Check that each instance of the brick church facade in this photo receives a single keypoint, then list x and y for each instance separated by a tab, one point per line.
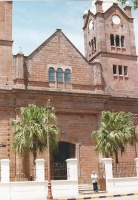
79	87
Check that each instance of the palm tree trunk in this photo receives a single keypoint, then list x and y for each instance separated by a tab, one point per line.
117	165
34	153
116	158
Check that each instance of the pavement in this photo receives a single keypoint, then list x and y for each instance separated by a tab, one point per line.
98	195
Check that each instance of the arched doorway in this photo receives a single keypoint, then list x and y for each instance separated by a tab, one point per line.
65	151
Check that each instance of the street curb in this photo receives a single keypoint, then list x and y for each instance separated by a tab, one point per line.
98	197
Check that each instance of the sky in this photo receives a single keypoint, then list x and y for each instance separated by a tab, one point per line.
35	21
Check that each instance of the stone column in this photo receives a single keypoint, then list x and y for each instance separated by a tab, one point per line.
40	170
108	167
72	172
5	170
108	173
136	160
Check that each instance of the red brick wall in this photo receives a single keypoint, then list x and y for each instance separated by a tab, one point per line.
109	55
79	109
115	84
59	52
7	113
103	27
125	28
78	115
5	41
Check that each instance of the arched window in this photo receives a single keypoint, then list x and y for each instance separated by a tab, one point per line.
92	46
114	69
125	70
120	69
51	73
117	41
94	43
67	76
112	40
122	41
59	75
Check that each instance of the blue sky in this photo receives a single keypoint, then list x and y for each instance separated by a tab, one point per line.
35	21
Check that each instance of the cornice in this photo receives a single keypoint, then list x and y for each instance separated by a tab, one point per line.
6	43
114	55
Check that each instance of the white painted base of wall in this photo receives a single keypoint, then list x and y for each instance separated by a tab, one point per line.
37	190
119	185
122	185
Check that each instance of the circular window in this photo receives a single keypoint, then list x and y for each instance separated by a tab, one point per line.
116	19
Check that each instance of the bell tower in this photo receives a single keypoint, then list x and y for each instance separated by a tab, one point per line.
109	38
5	43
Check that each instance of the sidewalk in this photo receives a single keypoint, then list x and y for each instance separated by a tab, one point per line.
95	196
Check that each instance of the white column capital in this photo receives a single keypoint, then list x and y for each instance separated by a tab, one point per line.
5	161
71	160
39	161
107	160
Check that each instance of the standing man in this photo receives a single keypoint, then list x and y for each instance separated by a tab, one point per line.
94	178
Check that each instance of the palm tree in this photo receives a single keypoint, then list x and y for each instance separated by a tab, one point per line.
31	130
116	130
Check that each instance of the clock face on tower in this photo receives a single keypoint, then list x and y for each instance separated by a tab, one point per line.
90	24
116	19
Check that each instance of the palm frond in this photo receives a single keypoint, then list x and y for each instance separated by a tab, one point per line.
116	129
31	130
